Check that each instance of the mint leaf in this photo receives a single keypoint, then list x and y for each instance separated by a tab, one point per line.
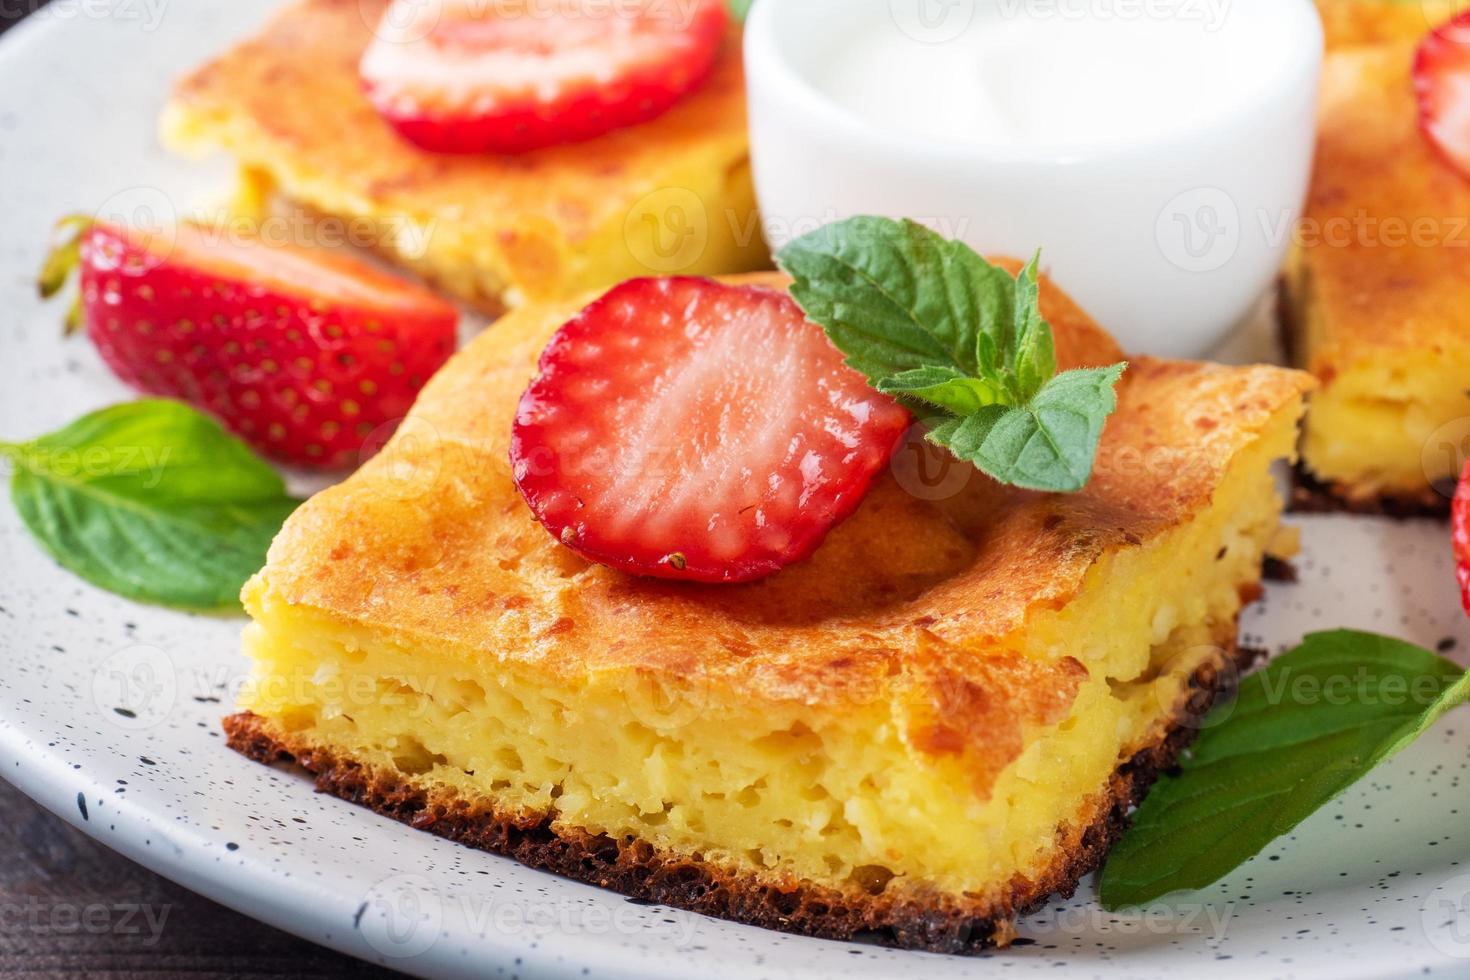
895	296
1036	354
929	320
1300	733
151	500
1051	443
945	387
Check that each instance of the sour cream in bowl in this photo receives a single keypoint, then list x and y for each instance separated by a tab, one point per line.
1157	151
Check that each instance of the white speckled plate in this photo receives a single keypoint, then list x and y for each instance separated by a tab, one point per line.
1377	885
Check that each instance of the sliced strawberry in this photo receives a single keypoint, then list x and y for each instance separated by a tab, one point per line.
686	429
1460	535
1442	83
304	354
466	76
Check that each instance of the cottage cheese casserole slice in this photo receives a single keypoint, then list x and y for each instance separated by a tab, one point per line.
1376	291
673	195
928	727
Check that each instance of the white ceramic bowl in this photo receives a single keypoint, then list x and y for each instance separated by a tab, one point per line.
1168	239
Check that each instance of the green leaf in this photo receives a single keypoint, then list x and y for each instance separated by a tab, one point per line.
944	387
929	320
740	8
151	500
1051	443
894	296
965	437
1036	355
1300	733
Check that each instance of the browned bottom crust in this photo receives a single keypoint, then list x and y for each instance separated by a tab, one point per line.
939	924
1279	570
1311	496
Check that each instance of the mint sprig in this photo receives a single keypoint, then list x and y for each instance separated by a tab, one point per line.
151	500
1300	732
930	321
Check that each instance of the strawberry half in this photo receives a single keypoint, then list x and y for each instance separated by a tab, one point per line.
1460	535
1442	84
466	76
304	354
686	429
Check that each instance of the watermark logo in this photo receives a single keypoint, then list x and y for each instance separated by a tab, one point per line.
1199	230
926	471
410	457
1446	918
668	230
1440	12
32	918
147	463
1444	454
293	226
662	705
1208	674
781	230
401	917
403	21
152	217
136	688
153	220
407	697
932	21
1206	921
1209	14
566	918
410	21
147	14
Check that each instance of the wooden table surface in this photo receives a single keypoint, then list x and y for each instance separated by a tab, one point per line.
70	907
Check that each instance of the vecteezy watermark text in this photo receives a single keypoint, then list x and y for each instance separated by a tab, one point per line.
1210	14
147	14
33	917
1201	229
1204	919
402	917
93	462
407	23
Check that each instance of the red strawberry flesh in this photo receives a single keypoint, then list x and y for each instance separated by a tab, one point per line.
304	354
461	76
687	429
1442	84
1460	535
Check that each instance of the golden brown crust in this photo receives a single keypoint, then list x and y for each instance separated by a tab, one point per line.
431	543
935	922
1385	242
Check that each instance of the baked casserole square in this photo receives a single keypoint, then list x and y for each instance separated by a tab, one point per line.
930	726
